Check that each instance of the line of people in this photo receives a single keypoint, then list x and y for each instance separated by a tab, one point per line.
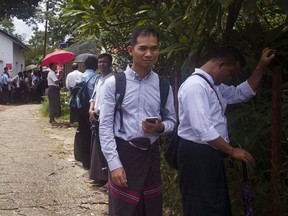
25	87
129	159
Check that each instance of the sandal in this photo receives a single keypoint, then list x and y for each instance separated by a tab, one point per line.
104	188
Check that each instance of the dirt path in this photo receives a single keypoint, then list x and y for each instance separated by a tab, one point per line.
38	173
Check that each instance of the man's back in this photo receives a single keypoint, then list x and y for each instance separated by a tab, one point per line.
71	79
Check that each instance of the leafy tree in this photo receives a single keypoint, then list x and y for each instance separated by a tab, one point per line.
36	43
22	9
56	32
7	25
189	29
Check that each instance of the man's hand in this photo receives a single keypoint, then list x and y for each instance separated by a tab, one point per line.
256	76
237	153
119	177
243	155
267	56
92	118
157	127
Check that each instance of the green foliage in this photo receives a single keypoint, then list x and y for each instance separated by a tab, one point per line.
171	194
65	112
7	25
190	29
250	127
56	31
45	107
36	44
22	9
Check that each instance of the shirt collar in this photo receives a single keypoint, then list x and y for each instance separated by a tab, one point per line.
89	71
199	71
135	76
106	77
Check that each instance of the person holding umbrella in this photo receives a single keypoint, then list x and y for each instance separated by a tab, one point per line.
53	94
89	76
204	141
70	83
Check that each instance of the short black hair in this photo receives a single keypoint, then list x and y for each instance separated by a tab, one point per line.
228	53
74	66
51	64
143	31
91	62
106	55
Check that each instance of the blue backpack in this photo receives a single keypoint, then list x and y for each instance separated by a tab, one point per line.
79	99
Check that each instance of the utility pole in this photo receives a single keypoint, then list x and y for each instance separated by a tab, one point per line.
45	36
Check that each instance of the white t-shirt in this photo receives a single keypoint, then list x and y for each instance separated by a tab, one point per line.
52	78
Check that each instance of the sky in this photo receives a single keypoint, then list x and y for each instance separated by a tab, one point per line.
23	29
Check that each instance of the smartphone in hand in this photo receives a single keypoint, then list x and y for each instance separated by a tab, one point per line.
151	119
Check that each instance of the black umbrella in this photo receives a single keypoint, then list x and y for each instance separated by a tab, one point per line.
82	57
247	194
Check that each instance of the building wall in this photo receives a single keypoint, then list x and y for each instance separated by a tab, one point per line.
18	59
11	53
6	52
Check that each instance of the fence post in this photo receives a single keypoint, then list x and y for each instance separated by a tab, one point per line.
276	138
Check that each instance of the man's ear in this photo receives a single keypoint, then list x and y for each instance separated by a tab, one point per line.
220	64
129	49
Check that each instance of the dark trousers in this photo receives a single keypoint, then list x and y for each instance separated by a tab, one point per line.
143	197
202	180
85	136
54	101
5	94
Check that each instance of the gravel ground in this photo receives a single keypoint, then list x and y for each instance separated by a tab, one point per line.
39	175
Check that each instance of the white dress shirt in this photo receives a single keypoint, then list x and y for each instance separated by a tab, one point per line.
141	100
201	117
52	78
71	79
97	95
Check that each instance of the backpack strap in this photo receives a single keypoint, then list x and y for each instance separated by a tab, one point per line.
85	83
120	79
96	82
164	91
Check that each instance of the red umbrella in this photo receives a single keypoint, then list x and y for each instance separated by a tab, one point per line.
59	57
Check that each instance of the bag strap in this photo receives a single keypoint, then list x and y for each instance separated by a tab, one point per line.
96	82
164	91
90	77
85	83
210	84
120	79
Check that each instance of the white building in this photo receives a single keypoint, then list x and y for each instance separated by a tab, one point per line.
11	53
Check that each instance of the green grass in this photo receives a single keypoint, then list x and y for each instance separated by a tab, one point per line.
65	113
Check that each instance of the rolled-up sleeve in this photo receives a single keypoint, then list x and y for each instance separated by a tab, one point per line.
241	93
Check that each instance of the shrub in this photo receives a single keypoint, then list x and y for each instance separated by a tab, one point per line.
65	113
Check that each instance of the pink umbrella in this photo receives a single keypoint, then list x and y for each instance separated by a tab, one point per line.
59	57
